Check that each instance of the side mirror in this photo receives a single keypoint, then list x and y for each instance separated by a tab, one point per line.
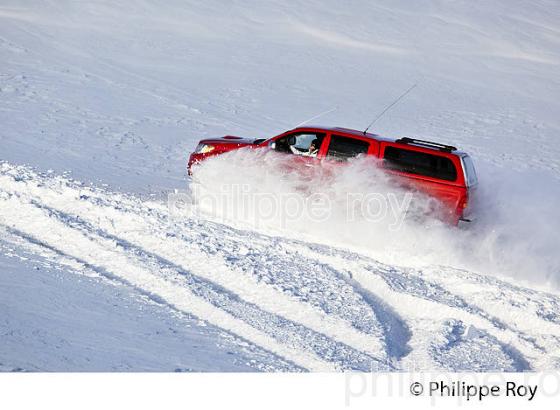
272	145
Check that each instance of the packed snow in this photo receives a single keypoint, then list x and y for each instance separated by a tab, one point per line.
102	102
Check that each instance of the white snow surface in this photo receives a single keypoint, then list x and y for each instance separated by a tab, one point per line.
102	102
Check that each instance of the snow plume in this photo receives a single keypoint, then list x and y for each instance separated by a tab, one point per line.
518	226
284	194
357	206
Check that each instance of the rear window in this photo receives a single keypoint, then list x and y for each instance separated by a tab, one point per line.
469	171
419	163
342	148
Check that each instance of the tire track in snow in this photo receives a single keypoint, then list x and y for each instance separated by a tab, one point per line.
540	310
147	232
418	298
105	254
287	332
291	333
30	249
258	257
459	347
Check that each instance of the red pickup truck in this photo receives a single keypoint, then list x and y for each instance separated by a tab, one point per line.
441	171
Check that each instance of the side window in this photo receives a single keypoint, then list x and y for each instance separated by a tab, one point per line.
305	144
419	163
342	148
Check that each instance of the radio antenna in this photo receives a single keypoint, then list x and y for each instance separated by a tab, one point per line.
389	107
317	116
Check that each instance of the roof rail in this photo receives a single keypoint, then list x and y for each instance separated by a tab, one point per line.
441	147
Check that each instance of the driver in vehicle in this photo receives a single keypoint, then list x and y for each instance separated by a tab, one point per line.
312	150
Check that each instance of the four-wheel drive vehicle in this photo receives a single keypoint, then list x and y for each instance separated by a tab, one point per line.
440	171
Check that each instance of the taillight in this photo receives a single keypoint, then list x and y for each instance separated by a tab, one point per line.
464	202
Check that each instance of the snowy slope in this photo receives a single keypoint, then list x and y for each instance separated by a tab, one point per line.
100	104
60	315
318	307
